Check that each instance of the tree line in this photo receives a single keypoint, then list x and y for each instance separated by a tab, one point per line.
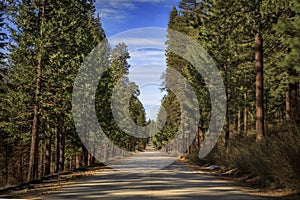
48	42
255	45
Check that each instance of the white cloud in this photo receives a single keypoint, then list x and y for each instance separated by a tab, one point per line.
146	45
147	74
118	9
107	12
147	58
148	61
151	95
148	78
135	43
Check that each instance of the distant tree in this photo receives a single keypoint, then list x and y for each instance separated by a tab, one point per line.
188	19
117	75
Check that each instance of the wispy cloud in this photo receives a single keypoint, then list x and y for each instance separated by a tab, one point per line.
146	58
148	78
118	9
151	95
136	43
147	74
146	45
148	61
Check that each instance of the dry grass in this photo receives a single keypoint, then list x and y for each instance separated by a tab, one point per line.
275	160
45	185
273	165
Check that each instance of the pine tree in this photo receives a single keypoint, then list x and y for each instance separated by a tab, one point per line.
288	26
3	36
52	39
246	24
3	43
113	101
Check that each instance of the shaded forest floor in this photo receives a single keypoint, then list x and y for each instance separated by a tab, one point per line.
50	183
247	182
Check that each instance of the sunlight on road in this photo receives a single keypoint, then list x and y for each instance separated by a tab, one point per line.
140	180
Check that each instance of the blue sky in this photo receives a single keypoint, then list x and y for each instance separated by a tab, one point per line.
147	63
126	21
122	15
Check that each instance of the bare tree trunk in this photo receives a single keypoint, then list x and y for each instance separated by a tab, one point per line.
41	166
288	106
34	134
201	137
33	160
71	163
77	160
57	150
198	137
89	159
85	156
260	115
48	156
62	149
245	114
183	138
93	153
227	131
189	143
21	168
6	164
292	112
239	122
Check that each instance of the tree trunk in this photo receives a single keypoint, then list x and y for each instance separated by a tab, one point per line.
62	149
57	150
201	137
48	156
183	138
21	168
288	106
89	159
188	143
6	163
33	163
34	134
85	156
198	137
260	131
93	153
71	162
227	132
245	115
292	112
239	122
77	160
42	159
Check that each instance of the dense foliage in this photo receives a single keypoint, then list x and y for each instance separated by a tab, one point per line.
255	45
49	41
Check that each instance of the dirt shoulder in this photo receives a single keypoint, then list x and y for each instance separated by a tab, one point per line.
247	182
51	183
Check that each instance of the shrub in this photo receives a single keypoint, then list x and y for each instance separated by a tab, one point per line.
276	159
